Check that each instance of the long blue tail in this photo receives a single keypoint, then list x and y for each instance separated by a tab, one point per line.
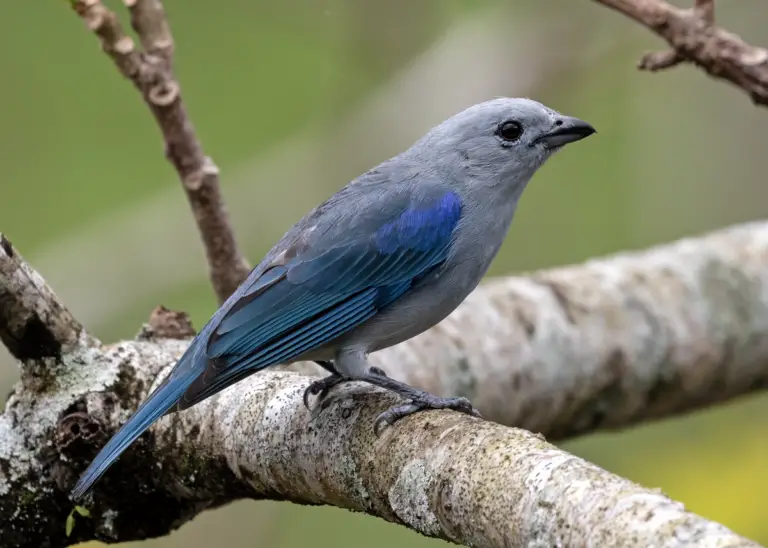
156	405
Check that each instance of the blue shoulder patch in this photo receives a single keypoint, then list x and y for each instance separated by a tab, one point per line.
421	227
336	283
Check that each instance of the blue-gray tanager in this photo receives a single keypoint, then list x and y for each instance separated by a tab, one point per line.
382	260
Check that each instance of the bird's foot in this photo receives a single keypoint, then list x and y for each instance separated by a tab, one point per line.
321	387
422	403
420	400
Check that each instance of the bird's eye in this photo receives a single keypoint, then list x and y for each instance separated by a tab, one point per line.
510	130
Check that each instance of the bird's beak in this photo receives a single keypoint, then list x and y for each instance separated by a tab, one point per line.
566	129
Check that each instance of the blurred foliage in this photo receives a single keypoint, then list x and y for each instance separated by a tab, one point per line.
676	154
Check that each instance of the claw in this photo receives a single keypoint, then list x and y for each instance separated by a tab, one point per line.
311	390
320	388
394	414
463	405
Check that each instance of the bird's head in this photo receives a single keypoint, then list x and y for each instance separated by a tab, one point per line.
501	141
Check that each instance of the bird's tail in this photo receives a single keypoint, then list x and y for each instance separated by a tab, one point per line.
162	400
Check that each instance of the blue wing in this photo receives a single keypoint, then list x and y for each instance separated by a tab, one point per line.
339	277
335	276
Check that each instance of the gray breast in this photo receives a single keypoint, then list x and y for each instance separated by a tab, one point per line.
474	246
425	306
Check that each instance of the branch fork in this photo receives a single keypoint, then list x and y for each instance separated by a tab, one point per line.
151	72
694	37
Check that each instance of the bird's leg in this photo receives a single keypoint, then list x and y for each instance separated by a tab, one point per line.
327	365
321	387
353	363
420	400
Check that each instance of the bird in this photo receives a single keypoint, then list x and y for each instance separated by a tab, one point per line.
388	256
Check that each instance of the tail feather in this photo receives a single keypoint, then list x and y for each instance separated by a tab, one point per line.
157	404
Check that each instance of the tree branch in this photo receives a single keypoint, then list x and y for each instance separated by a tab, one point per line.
601	345
693	37
441	474
34	326
151	72
598	345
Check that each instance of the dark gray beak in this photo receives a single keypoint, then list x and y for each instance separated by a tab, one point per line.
566	129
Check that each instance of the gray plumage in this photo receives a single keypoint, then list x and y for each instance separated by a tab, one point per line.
385	258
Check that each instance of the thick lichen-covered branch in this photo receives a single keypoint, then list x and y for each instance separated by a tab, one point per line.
151	72
694	37
442	474
603	344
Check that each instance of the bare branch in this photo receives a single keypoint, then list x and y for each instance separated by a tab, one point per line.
693	37
34	326
150	23
441	474
151	72
565	351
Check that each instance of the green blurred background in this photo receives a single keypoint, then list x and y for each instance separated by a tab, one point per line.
293	98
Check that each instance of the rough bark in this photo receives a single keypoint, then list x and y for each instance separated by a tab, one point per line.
688	315
151	72
693	37
33	324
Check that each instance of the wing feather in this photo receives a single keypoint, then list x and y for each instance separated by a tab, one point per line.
339	278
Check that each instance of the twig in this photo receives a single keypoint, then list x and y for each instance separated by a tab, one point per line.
151	72
150	23
694	37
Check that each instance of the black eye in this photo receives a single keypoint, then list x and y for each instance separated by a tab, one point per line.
510	130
